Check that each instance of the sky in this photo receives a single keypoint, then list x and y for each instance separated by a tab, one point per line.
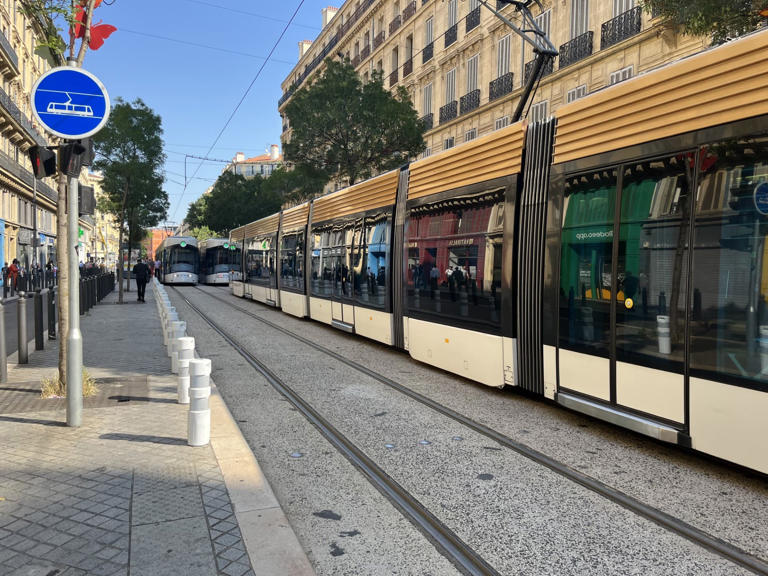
191	62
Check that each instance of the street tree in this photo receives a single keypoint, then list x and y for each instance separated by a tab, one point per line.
235	201
77	17
295	185
720	19
129	152
202	233
196	212
347	129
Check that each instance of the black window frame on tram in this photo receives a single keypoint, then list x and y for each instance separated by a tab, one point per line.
352	284
707	261
438	300
291	260
269	281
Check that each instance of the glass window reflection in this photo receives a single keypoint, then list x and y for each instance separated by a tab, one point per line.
292	261
260	260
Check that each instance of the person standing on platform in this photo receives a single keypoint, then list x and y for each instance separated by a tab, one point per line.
141	275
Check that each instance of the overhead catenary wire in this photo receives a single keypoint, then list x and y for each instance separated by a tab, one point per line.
247	91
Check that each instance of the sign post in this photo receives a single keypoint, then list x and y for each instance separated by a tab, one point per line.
72	104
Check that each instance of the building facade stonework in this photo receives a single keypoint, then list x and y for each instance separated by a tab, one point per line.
465	69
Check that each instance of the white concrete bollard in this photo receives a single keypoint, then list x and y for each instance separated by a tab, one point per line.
662	327
182	381
182	347
178	329
199	408
171	317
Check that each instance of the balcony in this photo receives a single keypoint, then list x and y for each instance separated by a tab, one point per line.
426	53
575	50
469	101
395	24
449	112
366	51
26	131
427	121
407	67
284	97
378	40
547	69
356	61
500	87
393	78
409	10
451	35
473	19
9	63
15	169
620	28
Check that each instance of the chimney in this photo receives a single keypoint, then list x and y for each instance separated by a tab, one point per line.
304	47
239	157
274	152
328	14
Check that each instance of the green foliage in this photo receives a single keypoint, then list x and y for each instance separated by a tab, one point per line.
47	13
202	233
196	214
235	201
294	186
720	19
343	128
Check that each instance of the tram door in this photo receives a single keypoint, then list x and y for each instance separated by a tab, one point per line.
341	255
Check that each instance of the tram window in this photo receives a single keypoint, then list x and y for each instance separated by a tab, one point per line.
340	257
292	261
322	275
260	260
183	259
454	260
729	311
652	266
586	260
372	279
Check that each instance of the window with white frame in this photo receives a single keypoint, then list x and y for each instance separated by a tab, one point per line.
500	123
470	134
473	5
539	111
472	67
427	100
429	32
453	12
576	93
448	143
427	152
502	56
621	75
621	6
544	21
579	17
450	86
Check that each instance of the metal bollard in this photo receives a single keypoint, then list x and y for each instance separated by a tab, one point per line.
38	302
3	353
177	330
52	314
182	382
23	349
199	423
183	347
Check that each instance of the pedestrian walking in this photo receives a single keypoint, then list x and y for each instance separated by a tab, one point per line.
141	275
13	273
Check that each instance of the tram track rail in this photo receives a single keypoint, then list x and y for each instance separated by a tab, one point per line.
447	542
669	522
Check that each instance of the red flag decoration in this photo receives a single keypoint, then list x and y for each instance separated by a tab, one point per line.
99	31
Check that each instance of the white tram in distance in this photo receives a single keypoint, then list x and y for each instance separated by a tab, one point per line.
219	261
179	260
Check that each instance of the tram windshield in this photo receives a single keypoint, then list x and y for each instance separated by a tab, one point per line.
184	259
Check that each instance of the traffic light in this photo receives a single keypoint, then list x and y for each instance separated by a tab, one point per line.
43	161
72	158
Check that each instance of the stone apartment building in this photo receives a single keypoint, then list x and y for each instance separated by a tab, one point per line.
465	69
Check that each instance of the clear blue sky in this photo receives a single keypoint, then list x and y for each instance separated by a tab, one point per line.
191	61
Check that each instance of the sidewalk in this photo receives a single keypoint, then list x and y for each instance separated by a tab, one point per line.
124	494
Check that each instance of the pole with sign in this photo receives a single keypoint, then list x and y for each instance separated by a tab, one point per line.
72	104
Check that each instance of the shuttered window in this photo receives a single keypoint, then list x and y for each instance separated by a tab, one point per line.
579	17
502	56
472	66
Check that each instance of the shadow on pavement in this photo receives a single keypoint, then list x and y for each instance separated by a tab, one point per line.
143	438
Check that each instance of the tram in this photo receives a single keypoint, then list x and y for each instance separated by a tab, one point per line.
622	273
179	260
219	261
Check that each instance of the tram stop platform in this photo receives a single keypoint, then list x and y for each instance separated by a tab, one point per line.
124	493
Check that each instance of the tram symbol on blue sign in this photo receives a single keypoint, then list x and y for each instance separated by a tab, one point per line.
70	102
760	198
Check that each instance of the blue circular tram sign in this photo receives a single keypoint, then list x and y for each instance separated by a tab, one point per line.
70	102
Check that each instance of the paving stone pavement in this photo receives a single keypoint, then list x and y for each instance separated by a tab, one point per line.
123	494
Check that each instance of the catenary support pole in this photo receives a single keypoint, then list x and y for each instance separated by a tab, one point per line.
74	336
22	318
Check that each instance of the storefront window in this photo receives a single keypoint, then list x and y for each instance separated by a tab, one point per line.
586	261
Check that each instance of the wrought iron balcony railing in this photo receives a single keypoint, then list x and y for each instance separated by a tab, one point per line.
9	52
426	53
548	68
473	19
11	109
393	78
620	28
15	169
449	112
407	67
451	35
409	10
378	40
427	121
395	24
575	50
365	52
501	86
355	61
469	101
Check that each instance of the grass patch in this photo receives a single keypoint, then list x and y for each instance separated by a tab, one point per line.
51	386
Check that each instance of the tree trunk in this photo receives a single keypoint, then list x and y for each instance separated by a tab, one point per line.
62	257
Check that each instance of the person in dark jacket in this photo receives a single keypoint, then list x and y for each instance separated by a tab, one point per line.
141	275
